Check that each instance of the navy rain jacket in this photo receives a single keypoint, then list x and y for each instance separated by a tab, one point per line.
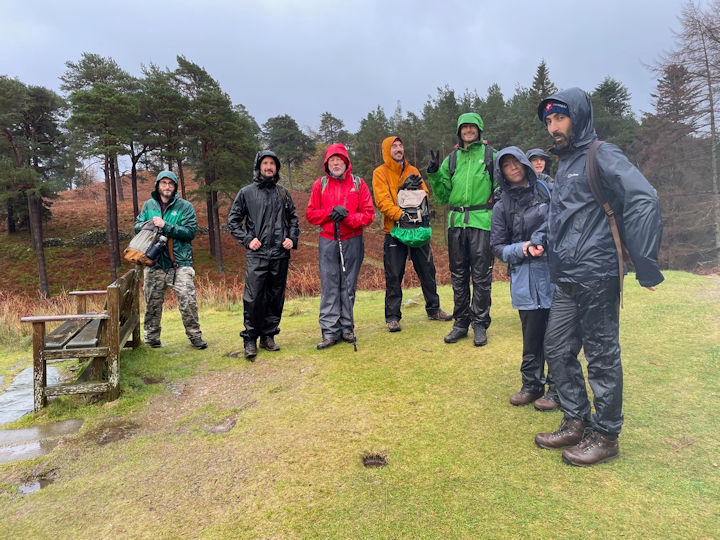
530	286
577	236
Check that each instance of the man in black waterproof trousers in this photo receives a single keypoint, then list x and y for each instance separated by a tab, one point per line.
583	263
263	219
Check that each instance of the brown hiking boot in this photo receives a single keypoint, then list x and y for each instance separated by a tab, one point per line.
568	434
440	315
546	404
325	343
593	449
268	343
394	326
348	337
523	397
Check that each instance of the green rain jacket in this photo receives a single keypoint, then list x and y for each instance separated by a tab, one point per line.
180	224
470	185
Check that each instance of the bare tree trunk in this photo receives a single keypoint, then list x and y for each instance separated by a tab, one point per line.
210	222
109	203
10	217
181	176
118	177
290	174
218	234
133	185
35	210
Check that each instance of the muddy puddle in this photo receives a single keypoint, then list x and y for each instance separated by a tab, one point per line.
31	487
17	400
36	441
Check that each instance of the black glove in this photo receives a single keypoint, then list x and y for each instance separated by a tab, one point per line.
338	214
412	182
434	164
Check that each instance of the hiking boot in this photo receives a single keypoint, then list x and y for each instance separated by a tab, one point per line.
268	343
152	343
440	315
568	434
250	349
546	404
198	343
394	326
325	343
593	449
480	337
523	397
456	334
348	337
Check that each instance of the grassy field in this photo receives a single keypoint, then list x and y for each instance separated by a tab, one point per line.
461	462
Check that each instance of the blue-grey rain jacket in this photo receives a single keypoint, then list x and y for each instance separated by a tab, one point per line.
530	286
577	236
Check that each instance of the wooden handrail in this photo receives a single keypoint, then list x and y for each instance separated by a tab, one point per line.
81	316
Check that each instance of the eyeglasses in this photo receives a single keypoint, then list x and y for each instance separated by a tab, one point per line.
166	183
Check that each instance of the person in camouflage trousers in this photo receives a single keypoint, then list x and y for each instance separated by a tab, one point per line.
176	217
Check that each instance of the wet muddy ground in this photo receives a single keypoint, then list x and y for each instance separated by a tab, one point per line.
17	400
36	441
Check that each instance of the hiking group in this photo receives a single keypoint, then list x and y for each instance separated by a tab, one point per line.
563	241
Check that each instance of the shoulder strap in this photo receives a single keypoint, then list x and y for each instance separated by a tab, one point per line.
284	198
489	151
323	184
452	162
598	191
545	190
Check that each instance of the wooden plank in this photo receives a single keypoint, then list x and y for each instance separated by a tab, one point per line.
50	318
87	337
77	388
64	354
64	333
39	374
84	293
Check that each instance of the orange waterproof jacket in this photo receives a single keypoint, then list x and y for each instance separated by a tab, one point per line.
387	179
340	192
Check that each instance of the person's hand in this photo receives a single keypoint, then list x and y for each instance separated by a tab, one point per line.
287	243
650	288
412	182
526	245
535	250
338	214
434	164
158	221
254	244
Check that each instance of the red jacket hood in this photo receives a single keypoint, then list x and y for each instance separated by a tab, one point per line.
340	150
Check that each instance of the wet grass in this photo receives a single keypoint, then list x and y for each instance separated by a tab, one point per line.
460	459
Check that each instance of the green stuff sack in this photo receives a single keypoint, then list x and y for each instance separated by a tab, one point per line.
413	228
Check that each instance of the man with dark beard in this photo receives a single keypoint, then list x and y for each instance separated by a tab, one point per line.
263	219
584	265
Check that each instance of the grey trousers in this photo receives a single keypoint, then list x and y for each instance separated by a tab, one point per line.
337	293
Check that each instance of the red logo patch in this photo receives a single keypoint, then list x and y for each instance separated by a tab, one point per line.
548	105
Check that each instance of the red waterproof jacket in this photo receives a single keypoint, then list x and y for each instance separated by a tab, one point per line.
340	192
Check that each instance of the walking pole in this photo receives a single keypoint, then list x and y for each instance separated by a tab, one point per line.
347	289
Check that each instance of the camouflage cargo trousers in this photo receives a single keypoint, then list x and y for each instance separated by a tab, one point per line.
180	280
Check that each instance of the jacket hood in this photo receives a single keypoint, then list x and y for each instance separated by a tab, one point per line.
470	118
164	174
389	161
537	152
530	175
340	150
581	115
262	154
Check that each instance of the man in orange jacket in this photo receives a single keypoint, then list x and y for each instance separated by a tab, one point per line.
387	180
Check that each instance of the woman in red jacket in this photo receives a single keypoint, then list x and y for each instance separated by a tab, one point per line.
340	203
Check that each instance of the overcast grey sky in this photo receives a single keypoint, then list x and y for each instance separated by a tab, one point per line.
347	57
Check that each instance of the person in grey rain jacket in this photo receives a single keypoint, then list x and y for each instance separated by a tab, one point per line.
540	162
584	266
522	210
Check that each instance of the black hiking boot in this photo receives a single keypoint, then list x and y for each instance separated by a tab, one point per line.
456	334
153	343
480	337
250	349
568	434
198	343
394	326
268	343
593	449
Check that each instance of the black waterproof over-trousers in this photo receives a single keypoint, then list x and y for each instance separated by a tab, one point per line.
395	255
587	314
534	322
264	296
470	259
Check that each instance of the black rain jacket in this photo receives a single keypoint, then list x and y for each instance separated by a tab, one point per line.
577	235
265	211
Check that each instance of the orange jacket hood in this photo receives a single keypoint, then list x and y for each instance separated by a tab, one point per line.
389	161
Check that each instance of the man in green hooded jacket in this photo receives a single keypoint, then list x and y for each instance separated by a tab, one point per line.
176	218
464	181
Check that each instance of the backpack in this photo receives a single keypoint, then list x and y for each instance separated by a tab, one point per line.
489	151
413	229
146	246
356	180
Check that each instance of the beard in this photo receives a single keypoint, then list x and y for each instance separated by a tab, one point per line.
563	142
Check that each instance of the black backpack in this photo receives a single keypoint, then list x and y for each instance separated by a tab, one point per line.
489	151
